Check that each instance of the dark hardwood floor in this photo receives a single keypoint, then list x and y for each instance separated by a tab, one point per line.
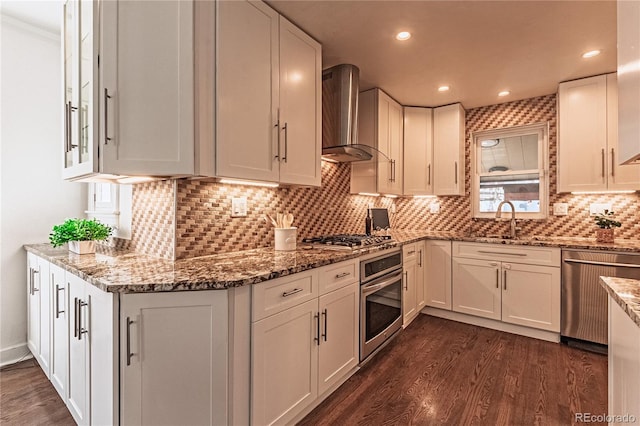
28	398
435	372
443	372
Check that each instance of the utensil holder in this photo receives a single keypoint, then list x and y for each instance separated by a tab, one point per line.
285	239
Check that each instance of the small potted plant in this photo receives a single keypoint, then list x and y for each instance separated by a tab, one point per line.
606	225
81	234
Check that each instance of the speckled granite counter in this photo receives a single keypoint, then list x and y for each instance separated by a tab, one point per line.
626	293
127	272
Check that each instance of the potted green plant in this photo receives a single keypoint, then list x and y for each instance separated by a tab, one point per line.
606	225
81	234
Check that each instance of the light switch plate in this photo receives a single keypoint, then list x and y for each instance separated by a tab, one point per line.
598	208
560	209
238	206
434	208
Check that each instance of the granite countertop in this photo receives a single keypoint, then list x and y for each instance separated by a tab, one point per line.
626	293
127	272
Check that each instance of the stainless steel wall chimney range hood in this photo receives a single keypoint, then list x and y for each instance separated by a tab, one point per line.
340	86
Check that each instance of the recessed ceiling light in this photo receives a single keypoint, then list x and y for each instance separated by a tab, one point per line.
504	93
403	35
443	88
590	54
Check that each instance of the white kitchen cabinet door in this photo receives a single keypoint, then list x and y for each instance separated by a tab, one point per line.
146	93
531	296
582	135
284	359
163	379
248	92
620	177
438	274
59	331
300	106
448	150
339	349
390	131
33	305
624	363
78	401
420	277
409	282
418	151
628	80
476	287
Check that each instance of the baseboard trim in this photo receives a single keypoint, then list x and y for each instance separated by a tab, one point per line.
549	336
14	354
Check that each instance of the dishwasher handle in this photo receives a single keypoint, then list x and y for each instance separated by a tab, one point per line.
595	262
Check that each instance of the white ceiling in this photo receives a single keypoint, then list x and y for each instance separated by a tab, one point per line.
477	47
44	14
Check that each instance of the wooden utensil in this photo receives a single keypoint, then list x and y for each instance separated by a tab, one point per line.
273	221
288	220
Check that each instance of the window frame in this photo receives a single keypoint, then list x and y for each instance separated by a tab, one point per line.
542	129
116	213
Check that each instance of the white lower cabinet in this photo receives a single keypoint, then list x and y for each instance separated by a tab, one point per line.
302	351
79	357
486	283
59	331
173	358
409	283
39	308
437	284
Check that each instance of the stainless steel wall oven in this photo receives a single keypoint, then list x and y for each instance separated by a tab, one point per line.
380	299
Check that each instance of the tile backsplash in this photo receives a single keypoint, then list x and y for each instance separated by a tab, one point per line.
191	217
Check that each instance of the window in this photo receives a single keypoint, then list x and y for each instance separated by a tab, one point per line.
110	203
511	164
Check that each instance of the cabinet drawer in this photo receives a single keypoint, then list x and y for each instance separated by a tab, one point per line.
547	256
332	277
409	252
277	295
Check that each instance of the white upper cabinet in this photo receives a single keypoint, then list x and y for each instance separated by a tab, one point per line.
628	81
380	125
448	150
268	97
128	88
588	155
418	151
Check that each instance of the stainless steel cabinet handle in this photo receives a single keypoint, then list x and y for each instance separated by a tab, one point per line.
129	353
506	253
429	174
324	314
342	275
456	172
75	317
67	126
504	279
107	139
70	144
277	126
390	171
409	253
33	282
497	278
603	164
289	293
420	258
286	141
317	338
613	163
58	288
81	330
406	280
592	262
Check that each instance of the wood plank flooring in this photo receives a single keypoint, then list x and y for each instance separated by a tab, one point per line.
435	372
443	372
28	398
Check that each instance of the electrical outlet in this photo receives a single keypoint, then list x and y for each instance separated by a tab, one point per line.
560	209
598	208
434	208
238	206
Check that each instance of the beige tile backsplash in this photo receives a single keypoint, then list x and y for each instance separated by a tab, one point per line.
191	217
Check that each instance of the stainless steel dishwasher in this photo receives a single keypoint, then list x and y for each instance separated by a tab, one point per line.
584	312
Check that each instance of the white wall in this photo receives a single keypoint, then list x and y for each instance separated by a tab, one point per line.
33	196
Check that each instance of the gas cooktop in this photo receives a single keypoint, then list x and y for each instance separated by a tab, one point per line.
347	241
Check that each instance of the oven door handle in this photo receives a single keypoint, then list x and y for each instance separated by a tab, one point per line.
372	288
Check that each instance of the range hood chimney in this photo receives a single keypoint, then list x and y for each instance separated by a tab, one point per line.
340	87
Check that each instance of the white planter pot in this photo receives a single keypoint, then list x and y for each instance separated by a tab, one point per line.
82	247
